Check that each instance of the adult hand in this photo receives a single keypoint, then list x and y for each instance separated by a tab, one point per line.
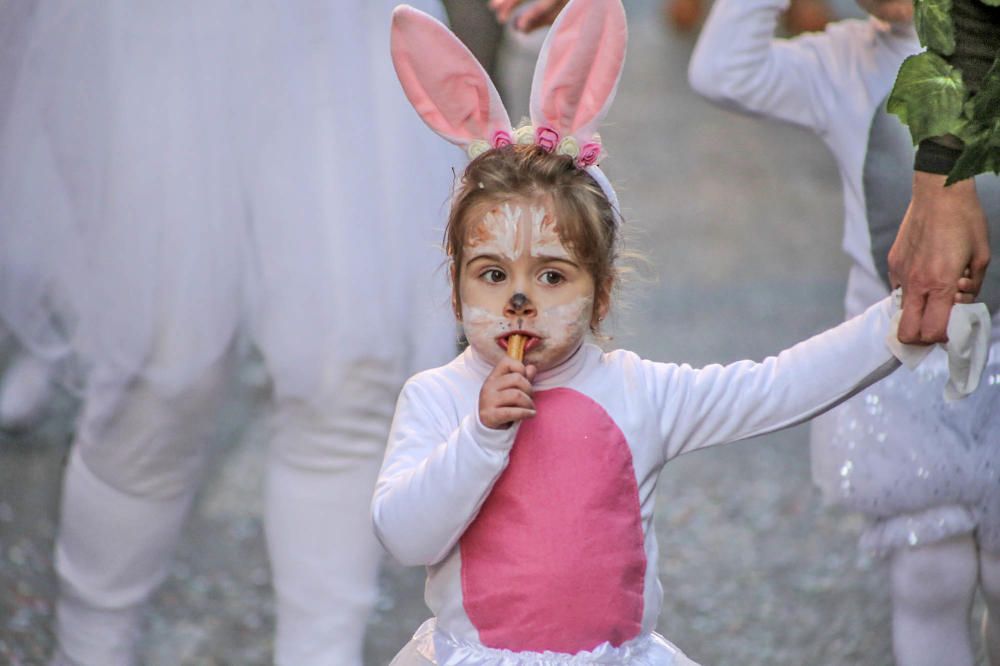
939	256
540	14
506	394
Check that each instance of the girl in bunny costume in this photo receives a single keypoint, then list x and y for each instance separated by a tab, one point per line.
184	174
527	487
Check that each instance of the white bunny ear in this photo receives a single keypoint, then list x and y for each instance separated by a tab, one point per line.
444	82
578	68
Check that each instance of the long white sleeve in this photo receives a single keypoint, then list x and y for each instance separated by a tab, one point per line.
738	63
437	472
719	404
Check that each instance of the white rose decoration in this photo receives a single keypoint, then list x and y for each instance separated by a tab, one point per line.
525	134
477	148
568	146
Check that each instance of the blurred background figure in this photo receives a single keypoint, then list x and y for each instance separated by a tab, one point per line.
802	15
25	391
920	468
180	177
508	54
26	383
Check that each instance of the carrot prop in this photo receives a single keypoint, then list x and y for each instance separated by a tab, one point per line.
515	346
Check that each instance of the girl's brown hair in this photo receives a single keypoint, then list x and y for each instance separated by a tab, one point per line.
586	223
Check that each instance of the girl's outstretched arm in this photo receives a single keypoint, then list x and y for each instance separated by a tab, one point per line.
438	470
739	64
718	404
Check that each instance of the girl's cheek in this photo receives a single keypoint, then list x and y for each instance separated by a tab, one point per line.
480	324
566	322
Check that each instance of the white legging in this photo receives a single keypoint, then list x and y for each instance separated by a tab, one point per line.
133	471
933	587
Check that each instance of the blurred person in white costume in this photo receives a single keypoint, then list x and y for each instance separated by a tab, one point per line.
25	387
186	173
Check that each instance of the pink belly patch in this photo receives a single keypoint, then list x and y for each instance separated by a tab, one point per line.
555	559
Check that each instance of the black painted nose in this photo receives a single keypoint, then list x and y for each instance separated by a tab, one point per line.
519	305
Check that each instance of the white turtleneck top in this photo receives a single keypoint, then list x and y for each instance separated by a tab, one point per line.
540	537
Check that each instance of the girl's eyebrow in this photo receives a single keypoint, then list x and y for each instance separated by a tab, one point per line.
541	259
548	259
487	257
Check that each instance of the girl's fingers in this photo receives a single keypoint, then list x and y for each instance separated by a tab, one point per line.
506	371
513	414
514	398
507	387
515	381
967	285
508	364
964	298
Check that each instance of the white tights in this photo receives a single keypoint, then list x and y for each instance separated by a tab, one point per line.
933	588
324	458
989	577
133	471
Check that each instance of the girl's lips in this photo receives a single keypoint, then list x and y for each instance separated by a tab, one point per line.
532	339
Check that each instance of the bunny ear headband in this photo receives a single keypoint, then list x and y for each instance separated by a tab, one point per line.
574	83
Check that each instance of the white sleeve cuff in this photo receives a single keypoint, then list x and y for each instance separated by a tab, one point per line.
489	438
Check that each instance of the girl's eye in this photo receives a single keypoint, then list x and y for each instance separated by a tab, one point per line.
493	275
552	277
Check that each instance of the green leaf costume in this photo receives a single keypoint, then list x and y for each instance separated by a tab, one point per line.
950	94
928	96
934	25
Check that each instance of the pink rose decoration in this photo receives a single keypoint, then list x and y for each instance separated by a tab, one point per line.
589	154
547	138
501	139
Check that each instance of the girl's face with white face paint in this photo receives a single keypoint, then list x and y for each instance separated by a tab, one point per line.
518	277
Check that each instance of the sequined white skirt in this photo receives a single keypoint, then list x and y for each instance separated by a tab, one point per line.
437	647
921	469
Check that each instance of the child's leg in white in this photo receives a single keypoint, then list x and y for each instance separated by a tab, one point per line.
989	581
127	488
111	554
25	391
932	591
325	456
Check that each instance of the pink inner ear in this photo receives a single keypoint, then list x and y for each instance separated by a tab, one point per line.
443	80
580	67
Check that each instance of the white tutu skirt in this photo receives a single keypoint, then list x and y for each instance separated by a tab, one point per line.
919	468
433	646
173	173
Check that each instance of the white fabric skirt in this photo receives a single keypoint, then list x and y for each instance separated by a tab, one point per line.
919	468
204	168
436	647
